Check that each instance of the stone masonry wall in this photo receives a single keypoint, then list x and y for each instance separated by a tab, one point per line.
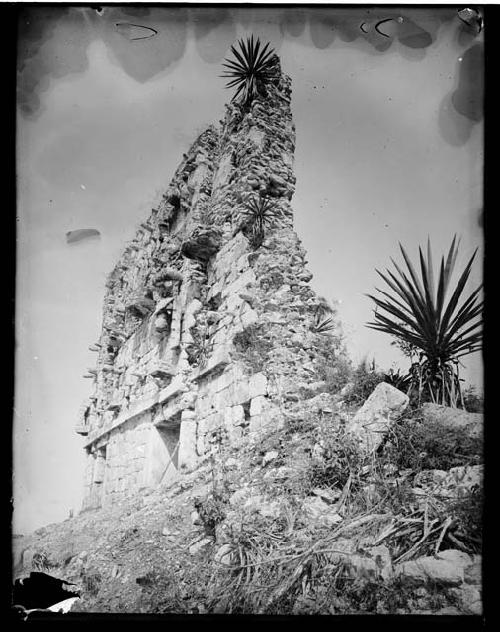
206	338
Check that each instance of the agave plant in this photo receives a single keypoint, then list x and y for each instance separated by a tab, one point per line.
398	380
261	213
323	324
419	315
249	70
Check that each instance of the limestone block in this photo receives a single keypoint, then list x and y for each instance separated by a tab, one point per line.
234	248
223	172
213	421
223	399
446	567
242	263
258	405
377	415
233	302
187	457
240	284
235	435
224	380
256	135
238	415
187	400
197	176
203	406
249	317
257	385
255	425
200	446
227	414
240	392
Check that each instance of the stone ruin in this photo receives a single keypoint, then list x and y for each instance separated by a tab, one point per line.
207	336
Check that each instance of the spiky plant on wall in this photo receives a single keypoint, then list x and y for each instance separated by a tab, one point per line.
261	213
250	69
199	350
323	318
323	326
442	332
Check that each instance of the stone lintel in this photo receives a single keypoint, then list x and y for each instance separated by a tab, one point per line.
172	390
137	408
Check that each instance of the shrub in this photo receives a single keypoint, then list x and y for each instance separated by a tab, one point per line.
252	345
473	402
421	445
364	380
211	511
333	366
467	513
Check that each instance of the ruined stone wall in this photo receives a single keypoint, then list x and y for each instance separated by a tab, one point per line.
207	336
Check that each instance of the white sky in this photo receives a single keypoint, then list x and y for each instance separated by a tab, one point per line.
381	157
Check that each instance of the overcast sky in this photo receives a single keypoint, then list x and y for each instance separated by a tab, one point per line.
389	148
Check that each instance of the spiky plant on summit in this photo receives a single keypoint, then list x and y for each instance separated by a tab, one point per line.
249	70
441	331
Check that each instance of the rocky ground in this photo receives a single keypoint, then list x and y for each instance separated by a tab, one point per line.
303	521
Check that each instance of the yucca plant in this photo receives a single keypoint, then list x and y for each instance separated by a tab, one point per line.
261	213
442	331
249	70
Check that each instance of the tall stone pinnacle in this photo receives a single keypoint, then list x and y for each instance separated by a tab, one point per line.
208	323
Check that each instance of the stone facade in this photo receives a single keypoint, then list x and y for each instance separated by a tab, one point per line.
205	336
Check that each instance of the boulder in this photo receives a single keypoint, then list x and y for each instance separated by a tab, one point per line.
456	483
320	513
374	564
447	568
239	496
269	456
377	416
224	554
469	598
200	545
266	508
444	416
328	495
